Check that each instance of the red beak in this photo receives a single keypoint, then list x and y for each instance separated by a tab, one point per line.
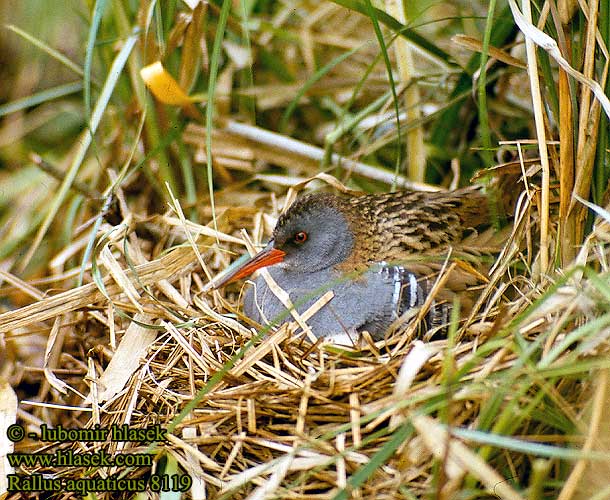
266	257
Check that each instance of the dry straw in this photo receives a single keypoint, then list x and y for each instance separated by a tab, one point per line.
256	412
287	419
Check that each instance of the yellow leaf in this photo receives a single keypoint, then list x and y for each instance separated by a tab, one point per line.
163	86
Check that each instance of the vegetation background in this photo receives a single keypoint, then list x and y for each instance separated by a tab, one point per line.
102	164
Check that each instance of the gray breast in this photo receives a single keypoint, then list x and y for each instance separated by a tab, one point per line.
372	302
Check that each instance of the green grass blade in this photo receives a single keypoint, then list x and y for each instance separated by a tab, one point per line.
209	115
247	78
448	121
482	88
40	97
372	13
376	461
84	142
307	85
538	449
98	13
45	48
392	23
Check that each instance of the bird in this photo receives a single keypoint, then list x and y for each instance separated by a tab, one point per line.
378	253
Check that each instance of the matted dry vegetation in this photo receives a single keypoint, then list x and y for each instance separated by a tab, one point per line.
513	403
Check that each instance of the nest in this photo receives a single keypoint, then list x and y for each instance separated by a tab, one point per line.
254	413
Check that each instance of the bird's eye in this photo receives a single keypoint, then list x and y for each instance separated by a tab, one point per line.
300	237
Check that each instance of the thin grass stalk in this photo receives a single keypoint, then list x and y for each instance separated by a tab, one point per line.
40	97
98	13
566	167
588	67
373	15
599	398
313	79
532	65
209	115
416	153
432	50
589	114
482	87
540	473
55	54
602	174
247	80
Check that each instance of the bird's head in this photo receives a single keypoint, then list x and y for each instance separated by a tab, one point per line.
312	235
